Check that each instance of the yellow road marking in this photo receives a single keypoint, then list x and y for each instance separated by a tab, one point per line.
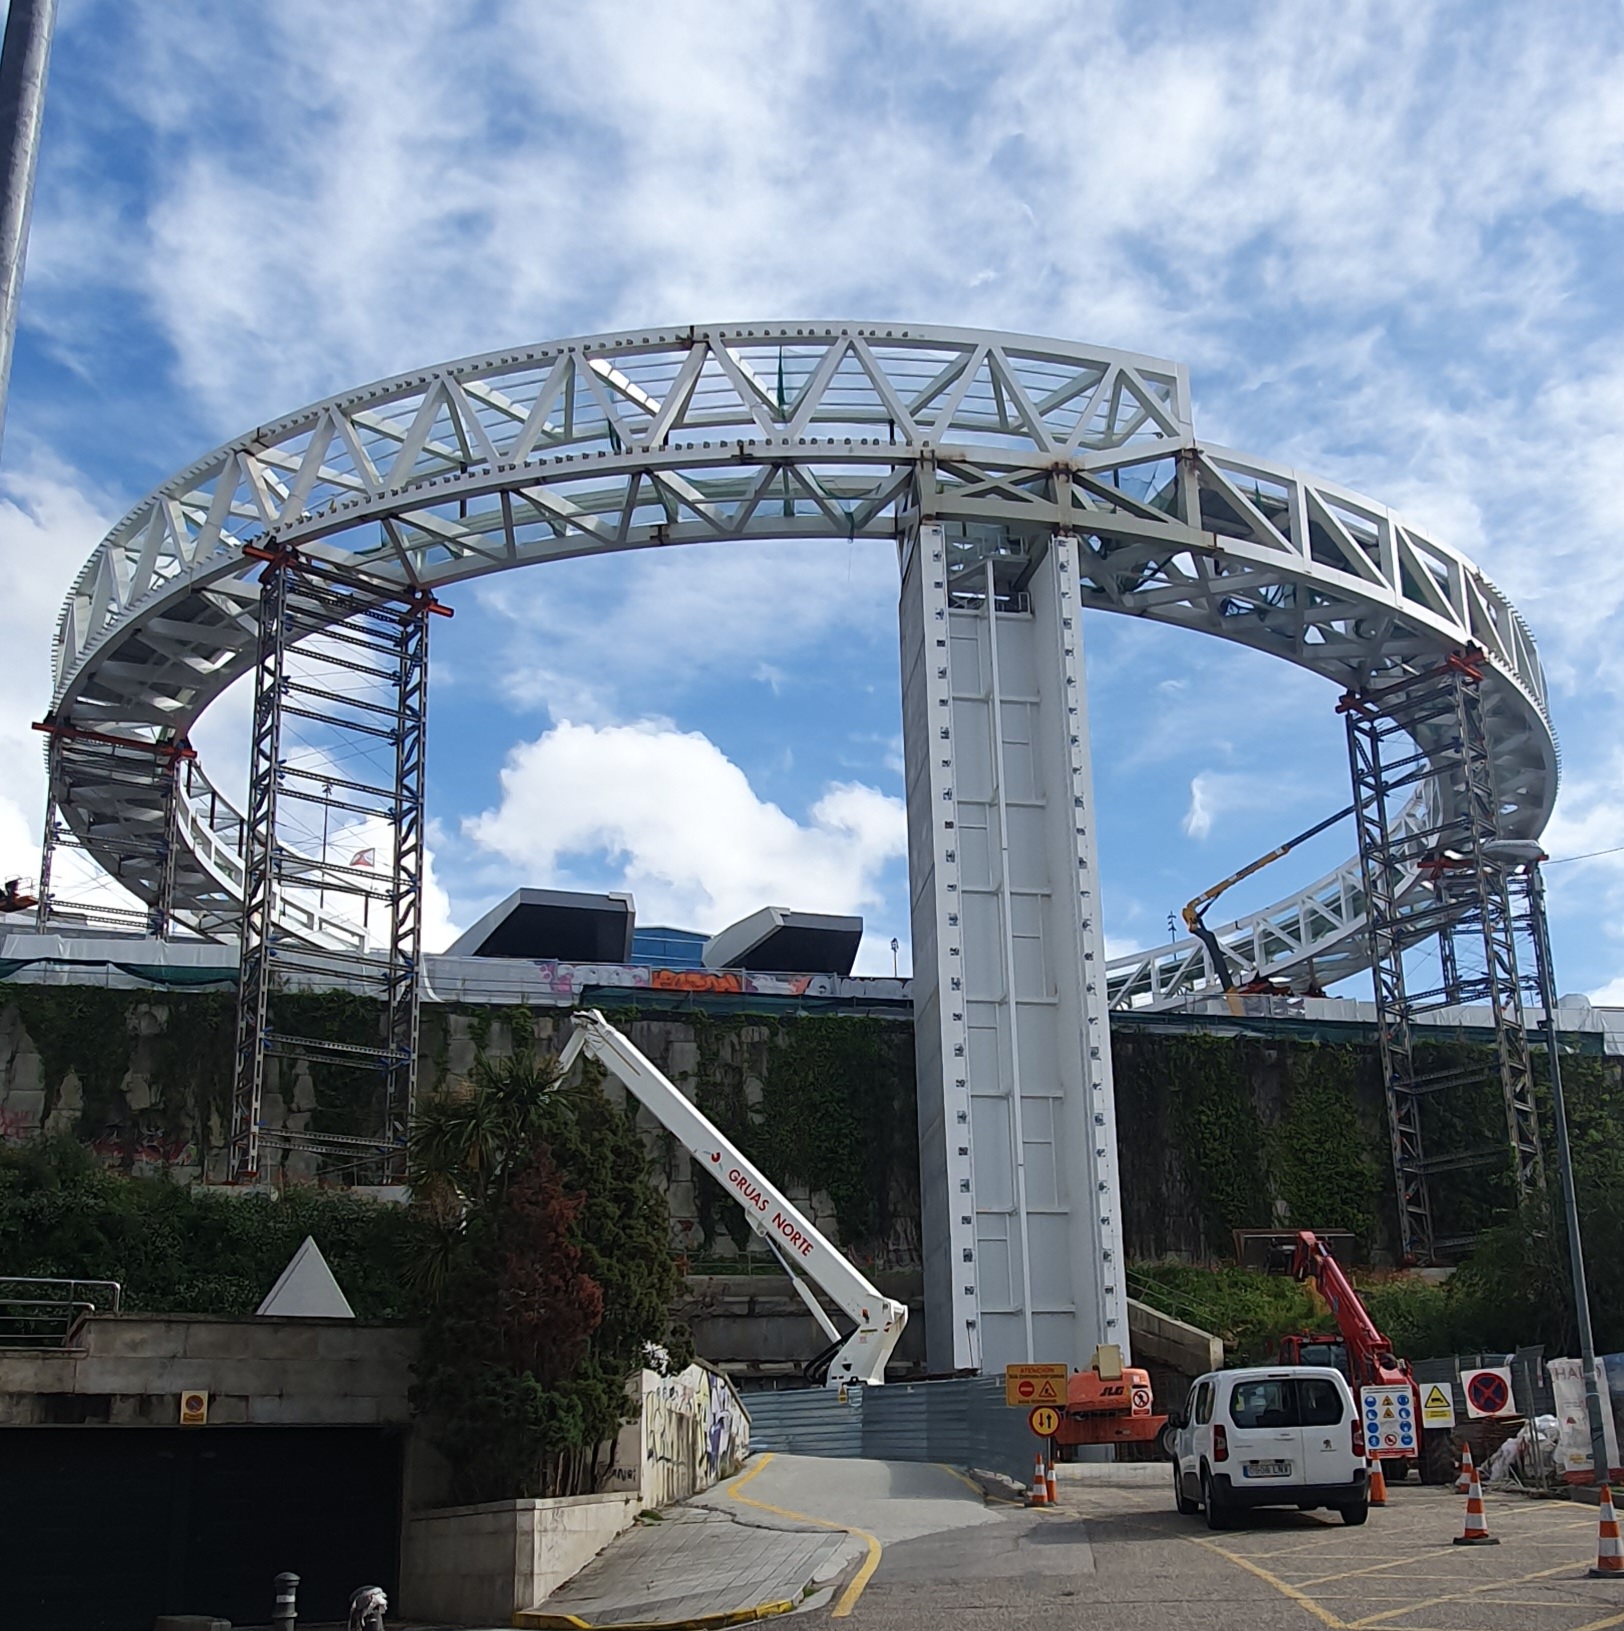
1461	1596
1602	1625
1373	1568
1301	1598
848	1598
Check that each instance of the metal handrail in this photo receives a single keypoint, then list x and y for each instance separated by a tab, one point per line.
53	1318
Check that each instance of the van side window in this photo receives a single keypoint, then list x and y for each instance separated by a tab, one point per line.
1203	1403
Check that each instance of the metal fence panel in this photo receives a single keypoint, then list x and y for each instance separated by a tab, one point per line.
807	1421
962	1422
897	1421
998	1438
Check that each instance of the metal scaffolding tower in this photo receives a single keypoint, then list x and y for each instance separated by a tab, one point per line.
123	791
340	705
1429	729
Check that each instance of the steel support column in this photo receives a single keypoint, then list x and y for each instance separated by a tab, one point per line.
348	655
1018	1158
1430	728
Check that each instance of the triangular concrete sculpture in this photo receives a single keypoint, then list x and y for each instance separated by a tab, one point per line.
307	1289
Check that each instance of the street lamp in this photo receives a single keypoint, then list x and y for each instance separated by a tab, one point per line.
1523	855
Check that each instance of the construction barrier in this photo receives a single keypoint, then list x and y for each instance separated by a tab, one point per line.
963	1422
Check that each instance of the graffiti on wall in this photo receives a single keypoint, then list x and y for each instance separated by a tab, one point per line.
571	980
695	1433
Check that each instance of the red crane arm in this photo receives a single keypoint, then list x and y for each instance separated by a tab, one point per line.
1368	1350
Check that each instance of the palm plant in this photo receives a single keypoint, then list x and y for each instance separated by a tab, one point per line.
466	1144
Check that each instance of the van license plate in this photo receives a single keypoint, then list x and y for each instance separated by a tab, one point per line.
1266	1469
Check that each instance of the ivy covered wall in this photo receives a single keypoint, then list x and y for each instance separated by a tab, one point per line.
1216	1132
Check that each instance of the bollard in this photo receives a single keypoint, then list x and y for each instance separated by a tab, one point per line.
285	1616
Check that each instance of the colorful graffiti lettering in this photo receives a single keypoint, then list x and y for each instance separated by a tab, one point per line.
695	1432
696	979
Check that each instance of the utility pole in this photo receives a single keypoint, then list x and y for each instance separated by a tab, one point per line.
25	56
1524	854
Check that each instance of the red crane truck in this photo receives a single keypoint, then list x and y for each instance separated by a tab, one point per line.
1359	1351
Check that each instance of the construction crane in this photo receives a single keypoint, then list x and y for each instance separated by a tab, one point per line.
1195	911
807	1255
1359	1351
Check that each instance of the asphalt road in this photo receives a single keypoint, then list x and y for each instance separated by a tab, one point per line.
1123	1559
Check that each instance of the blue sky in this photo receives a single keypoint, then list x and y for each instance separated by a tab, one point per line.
1384	238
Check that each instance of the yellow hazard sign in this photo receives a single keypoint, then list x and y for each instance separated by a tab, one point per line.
1029	1385
1438	1404
1044	1421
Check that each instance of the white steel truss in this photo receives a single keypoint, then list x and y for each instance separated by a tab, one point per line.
782	430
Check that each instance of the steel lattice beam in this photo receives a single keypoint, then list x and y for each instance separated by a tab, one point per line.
788	430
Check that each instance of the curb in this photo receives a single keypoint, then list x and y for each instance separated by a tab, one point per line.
530	1619
996	1485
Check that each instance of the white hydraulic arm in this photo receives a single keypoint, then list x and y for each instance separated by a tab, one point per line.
800	1247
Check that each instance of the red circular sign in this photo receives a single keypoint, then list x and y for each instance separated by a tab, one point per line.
1488	1393
1026	1389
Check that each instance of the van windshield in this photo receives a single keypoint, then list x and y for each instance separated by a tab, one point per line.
1282	1401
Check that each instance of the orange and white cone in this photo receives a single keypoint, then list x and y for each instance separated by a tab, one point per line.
1038	1495
1050	1486
1377	1481
1609	1549
1476	1532
1463	1484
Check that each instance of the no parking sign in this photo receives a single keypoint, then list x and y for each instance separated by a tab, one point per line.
1488	1391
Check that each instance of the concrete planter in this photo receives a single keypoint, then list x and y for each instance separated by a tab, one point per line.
479	1565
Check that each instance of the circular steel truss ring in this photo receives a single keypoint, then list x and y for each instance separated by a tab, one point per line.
773	431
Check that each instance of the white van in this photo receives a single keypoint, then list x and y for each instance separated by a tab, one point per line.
1286	1436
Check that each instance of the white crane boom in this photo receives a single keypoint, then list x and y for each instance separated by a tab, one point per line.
798	1245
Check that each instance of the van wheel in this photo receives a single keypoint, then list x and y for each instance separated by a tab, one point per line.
1356	1514
1186	1507
1217	1515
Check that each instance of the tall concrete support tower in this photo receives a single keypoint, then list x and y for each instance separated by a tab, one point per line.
1017	1125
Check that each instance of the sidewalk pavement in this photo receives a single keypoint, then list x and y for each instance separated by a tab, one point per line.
699	1565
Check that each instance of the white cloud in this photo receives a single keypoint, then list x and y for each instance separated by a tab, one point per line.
1198	818
600	639
1373	268
50	518
1610	995
665	814
1215	794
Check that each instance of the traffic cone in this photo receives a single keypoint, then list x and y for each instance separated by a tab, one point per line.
1476	1532
1050	1487
1038	1495
1377	1481
1609	1549
1463	1484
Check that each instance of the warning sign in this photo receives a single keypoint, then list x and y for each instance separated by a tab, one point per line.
1044	1421
1389	1414
1030	1385
1437	1404
1488	1392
